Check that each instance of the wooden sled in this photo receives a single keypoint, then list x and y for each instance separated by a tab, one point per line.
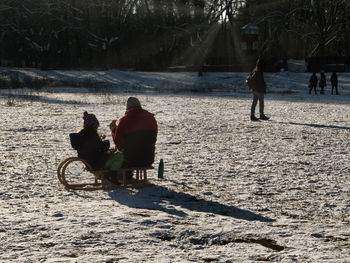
75	166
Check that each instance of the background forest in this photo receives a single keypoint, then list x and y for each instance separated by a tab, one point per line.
158	34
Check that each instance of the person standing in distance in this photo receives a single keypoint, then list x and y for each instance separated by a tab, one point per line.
258	90
334	82
313	83
322	82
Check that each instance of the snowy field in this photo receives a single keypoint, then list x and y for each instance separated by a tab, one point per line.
233	190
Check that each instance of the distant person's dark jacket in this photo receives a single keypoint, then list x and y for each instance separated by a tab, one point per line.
260	82
334	79
313	81
322	82
135	136
90	147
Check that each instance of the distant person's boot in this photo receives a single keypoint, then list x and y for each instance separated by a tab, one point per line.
253	118
263	117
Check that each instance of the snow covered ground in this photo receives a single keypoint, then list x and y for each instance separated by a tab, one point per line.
233	190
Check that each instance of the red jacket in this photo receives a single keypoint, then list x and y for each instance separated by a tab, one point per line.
135	119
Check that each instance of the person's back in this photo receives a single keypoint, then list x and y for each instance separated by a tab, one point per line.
260	85
322	82
334	83
88	143
313	80
135	135
139	131
334	79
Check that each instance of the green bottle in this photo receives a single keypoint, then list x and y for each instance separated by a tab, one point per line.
161	169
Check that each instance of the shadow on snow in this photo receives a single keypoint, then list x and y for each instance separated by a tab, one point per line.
166	200
317	125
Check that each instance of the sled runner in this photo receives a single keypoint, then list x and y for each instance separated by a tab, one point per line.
73	170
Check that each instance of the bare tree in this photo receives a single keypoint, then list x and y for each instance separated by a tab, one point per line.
317	23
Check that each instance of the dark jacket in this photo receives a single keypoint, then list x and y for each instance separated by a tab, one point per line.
260	85
322	82
90	147
135	136
313	80
334	79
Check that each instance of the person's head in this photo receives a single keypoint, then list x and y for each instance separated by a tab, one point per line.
260	64
132	103
90	121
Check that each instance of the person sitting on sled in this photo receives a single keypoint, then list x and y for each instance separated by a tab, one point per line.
135	135
89	144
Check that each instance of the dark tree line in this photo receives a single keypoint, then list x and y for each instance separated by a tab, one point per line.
302	28
157	34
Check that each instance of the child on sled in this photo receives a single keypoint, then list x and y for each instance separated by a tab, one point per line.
93	148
